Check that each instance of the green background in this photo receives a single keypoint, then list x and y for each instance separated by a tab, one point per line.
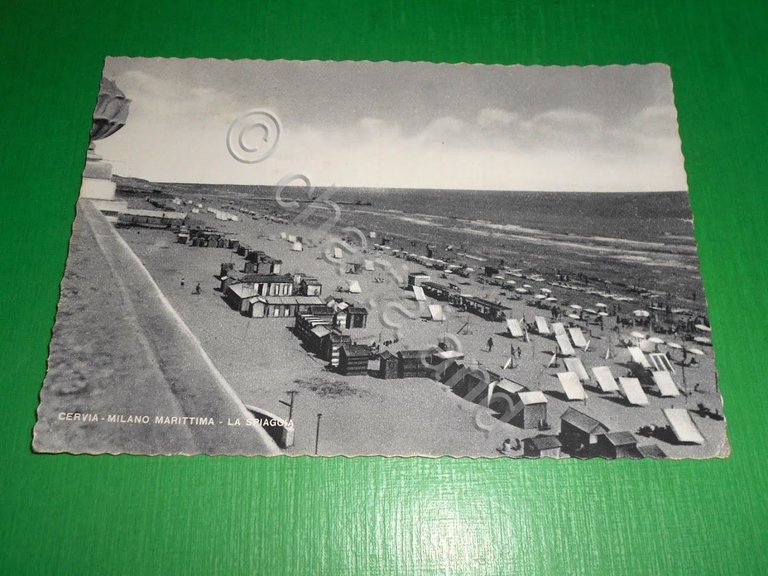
132	515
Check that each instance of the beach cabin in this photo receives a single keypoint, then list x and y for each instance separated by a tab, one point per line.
331	347
417	278
150	218
617	445
269	284
413	364
238	296
353	360
388	365
542	446
530	409
579	431
310	287
493	311
357	317
257	262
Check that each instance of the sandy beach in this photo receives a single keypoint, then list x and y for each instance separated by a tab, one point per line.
262	358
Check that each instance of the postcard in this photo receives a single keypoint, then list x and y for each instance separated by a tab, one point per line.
382	258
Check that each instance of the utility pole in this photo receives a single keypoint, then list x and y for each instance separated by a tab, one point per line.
317	432
292	394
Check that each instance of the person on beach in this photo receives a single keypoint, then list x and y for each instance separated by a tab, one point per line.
198	291
490	344
182	282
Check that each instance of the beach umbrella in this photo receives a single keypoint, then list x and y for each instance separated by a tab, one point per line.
575	306
546	291
603	314
527	286
639	335
655	340
703	327
551	299
469	269
703	340
574	316
521	290
511	282
590	311
641	313
540	297
674	345
695	351
601	305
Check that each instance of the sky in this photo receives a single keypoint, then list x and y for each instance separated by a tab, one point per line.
402	125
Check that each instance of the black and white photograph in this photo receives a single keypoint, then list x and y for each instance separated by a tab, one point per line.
382	258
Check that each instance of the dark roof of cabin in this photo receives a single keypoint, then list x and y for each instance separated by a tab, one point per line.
651	451
413	353
259	278
544	442
620	438
581	421
357	310
356	350
387	355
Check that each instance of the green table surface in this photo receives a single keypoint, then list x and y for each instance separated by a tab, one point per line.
139	515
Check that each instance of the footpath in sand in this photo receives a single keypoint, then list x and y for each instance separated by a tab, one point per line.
119	350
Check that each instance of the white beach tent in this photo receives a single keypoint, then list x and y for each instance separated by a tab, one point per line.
283	235
633	391
571	385
337	253
297	247
565	345
683	426
354	287
368	265
513	325
541	325
667	386
436	311
558	328
575	365
418	292
639	357
291	238
578	338
605	378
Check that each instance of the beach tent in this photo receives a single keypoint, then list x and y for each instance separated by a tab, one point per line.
436	311
633	391
578	338
639	357
283	235
575	365
571	385
683	426
291	238
515	330
605	378
558	328
337	253
541	325
297	247
354	287
666	385
418	292
368	265
661	362
565	345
